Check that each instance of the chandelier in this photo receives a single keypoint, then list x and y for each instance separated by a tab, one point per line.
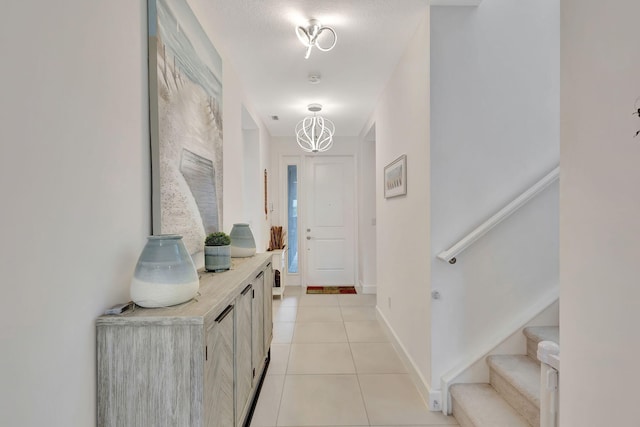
315	134
309	36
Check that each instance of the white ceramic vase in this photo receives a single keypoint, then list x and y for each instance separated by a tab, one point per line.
165	274
242	243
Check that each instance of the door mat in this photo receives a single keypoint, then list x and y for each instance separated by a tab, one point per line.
331	290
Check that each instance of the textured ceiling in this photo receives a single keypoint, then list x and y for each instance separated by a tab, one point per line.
258	38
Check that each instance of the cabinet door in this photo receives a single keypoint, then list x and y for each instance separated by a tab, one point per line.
218	371
268	307
244	366
258	322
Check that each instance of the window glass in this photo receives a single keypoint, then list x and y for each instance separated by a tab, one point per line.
292	217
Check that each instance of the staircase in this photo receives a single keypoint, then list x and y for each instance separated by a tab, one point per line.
512	398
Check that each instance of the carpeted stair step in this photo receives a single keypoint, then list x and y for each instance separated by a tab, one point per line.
479	405
535	334
517	380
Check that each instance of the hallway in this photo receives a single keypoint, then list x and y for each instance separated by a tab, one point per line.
333	365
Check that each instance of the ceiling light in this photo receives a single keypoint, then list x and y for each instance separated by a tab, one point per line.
309	36
315	134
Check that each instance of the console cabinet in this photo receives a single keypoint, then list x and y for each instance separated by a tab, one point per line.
194	364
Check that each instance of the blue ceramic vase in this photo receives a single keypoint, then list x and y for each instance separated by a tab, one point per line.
165	274
242	243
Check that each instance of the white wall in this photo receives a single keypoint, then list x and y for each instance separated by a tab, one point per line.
367	212
234	157
495	132
600	211
401	118
75	179
253	183
253	210
272	174
237	110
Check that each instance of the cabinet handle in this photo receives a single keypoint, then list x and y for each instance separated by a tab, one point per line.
224	313
260	274
268	264
245	290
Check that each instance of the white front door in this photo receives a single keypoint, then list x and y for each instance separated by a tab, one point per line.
329	226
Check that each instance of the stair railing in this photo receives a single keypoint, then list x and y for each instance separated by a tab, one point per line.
450	254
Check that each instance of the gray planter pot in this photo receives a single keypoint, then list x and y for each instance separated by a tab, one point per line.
217	258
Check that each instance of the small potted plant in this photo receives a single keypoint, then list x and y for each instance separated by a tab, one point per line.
217	252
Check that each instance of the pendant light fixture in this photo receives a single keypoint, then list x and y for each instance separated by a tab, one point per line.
315	133
309	36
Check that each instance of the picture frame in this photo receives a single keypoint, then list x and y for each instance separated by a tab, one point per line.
395	178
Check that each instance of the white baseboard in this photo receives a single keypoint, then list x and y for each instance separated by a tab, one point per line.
369	289
435	401
364	288
432	397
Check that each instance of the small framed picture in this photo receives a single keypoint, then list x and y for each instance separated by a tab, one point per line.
395	178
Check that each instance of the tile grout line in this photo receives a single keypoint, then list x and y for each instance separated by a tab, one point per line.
364	404
284	382
286	369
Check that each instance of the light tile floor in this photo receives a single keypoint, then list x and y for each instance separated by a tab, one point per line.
333	365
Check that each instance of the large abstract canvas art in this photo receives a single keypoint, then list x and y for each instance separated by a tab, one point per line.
185	93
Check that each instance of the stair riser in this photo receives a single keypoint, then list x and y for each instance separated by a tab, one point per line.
519	402
532	349
460	415
535	334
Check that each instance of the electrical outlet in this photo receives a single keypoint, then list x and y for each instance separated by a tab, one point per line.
435	401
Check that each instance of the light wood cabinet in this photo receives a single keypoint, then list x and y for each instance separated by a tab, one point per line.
218	371
258	316
190	364
244	367
268	307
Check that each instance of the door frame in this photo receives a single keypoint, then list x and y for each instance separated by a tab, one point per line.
300	160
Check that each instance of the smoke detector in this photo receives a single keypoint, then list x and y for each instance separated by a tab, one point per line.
314	78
